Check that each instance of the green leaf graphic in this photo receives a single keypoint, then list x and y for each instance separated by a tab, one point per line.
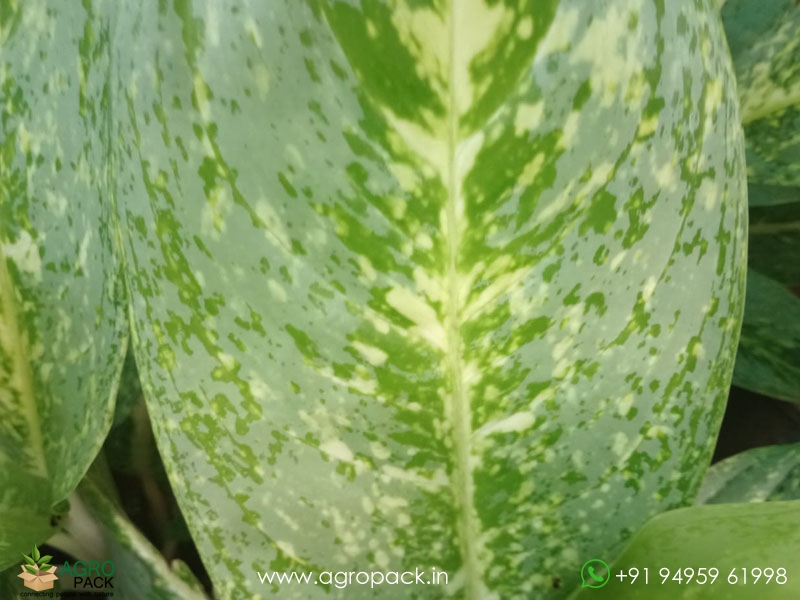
31	570
29	560
35	553
429	285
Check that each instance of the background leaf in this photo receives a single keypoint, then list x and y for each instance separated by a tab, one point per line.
424	287
10	587
773	144
760	474
130	390
61	320
768	358
774	247
725	536
766	54
771	195
766	51
96	529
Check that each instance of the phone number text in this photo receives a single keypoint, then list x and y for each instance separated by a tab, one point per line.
704	575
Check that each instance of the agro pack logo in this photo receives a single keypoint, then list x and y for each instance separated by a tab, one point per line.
90	574
37	574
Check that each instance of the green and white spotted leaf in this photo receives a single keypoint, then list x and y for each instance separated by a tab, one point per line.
427	284
766	52
768	358
773	147
97	529
728	537
61	312
764	42
758	475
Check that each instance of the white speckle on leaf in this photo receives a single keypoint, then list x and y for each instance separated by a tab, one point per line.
25	254
419	312
277	291
374	356
517	422
337	449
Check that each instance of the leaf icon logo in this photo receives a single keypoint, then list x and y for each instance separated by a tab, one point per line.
38	574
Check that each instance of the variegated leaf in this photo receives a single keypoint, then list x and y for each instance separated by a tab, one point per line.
61	319
429	284
764	38
766	53
773	145
97	529
768	358
768	473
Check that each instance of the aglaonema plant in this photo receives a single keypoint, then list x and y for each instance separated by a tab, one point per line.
451	286
766	52
411	285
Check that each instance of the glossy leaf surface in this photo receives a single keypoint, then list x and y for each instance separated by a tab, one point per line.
428	284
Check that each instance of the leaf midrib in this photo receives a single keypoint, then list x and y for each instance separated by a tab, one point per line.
462	482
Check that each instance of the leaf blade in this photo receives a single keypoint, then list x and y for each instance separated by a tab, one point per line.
728	535
768	357
61	312
762	474
386	338
137	564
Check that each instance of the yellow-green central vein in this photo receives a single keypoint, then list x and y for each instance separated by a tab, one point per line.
21	378
462	482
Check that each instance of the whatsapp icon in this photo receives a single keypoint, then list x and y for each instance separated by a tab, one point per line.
595	573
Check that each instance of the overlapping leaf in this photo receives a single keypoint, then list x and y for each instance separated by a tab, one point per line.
765	45
140	571
96	530
429	284
768	359
774	248
727	537
768	473
61	324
